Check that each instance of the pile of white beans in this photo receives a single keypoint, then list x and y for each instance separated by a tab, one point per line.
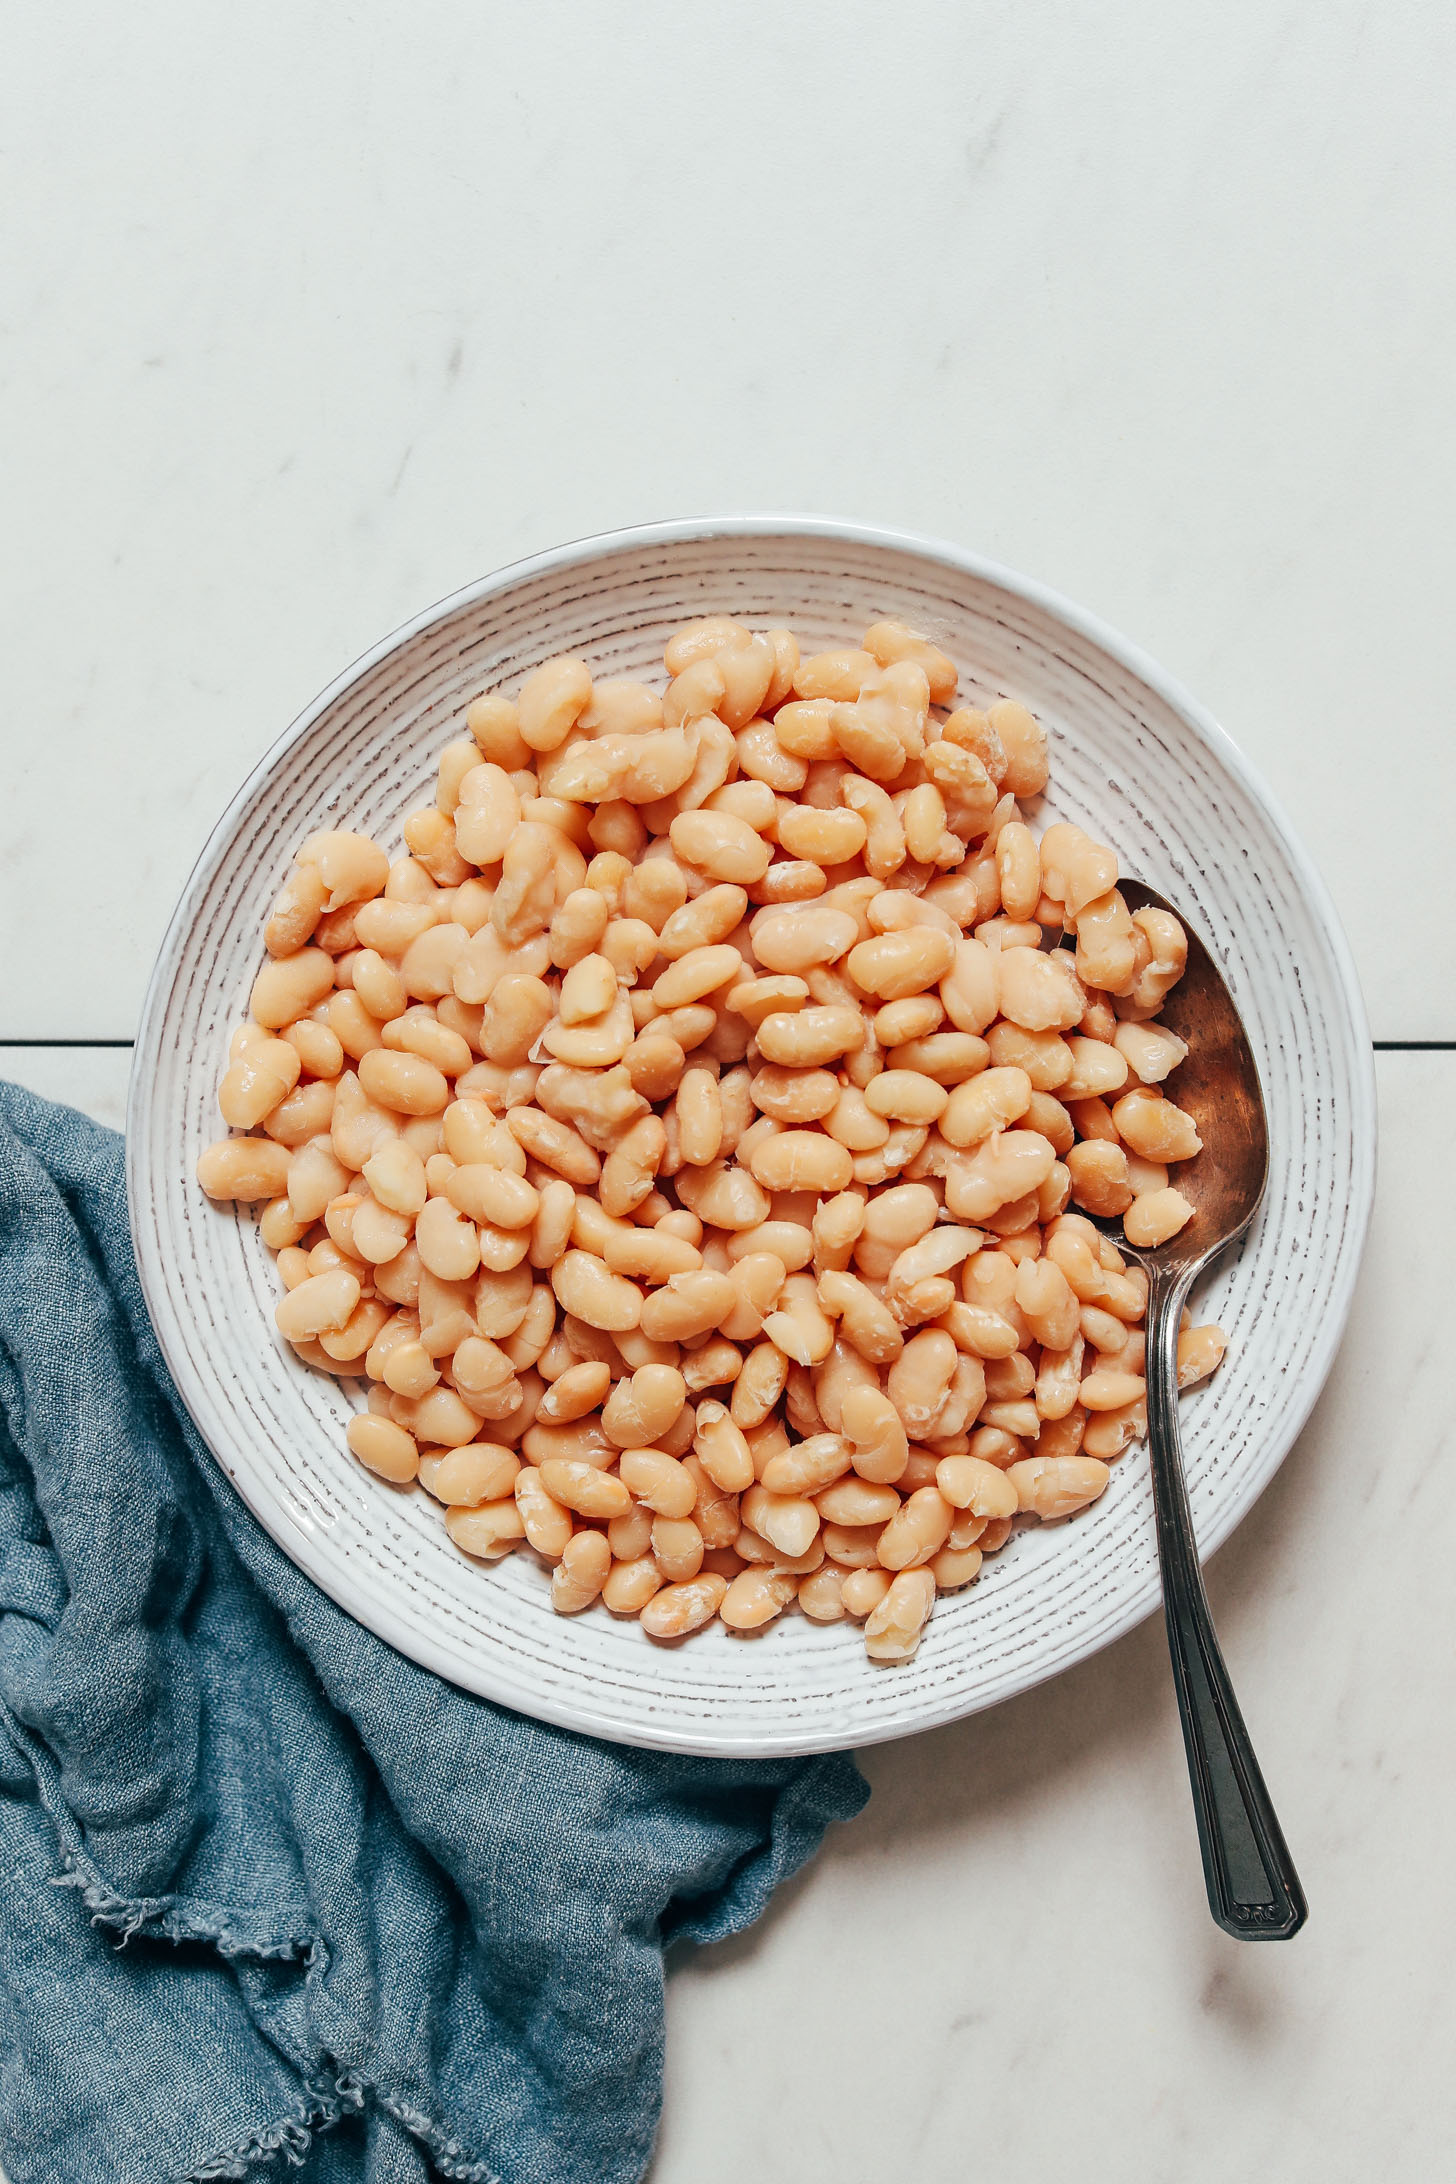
681	1136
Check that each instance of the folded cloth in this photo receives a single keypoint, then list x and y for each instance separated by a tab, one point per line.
271	1892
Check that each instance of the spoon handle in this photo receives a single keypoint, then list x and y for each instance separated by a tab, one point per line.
1253	1889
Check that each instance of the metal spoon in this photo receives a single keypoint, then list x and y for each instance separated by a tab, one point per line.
1253	1889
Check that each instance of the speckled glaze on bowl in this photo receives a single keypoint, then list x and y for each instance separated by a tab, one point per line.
1134	760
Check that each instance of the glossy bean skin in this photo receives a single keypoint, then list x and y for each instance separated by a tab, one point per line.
1052	1487
384	1448
893	1629
658	1481
579	1576
678	1609
756	1596
1200	1352
244	1170
919	1531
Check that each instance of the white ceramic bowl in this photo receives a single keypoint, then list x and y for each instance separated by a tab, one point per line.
1134	760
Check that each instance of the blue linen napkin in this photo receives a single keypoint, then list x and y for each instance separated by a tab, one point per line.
271	1893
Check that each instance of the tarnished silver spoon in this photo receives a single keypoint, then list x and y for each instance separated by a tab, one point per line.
1253	1889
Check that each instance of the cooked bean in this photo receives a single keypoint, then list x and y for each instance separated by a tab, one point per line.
245	1169
449	1245
895	966
894	1628
905	1096
758	1279
970	1482
890	641
1075	869
1052	1487
420	1032
579	1576
787	1521
797	1160
825	837
1200	1352
1159	933
702	923
1025	744
1099	1179
586	1287
258	1082
404	1083
920	1378
627	1174
721	846
820	1594
1018	870
378	1233
546	1523
836	1228
794	1095
756	1596
1097	1068
383	1448
323	1302
489	1531
721	1449
1154	1216
809	1466
1155	1127
678	1609
798	1326
584	1488
290	987
918	1531
793	940
657	1481
551	701
631	1584
587	991
687	1305
834	675
809	1037
677	1546
869	1325
1107	1388
296	911
857	1501
1038	992
465	1478
955	1566
879	1450
759	1385
640	1411
575	1393
492	1194
631	1535
1110	1432
1150	1050
578	926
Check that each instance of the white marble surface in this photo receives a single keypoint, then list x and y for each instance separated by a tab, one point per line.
1005	1966
314	314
